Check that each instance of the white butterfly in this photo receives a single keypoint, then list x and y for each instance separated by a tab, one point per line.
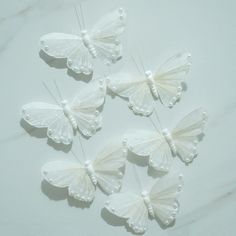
106	170
161	146
160	203
63	120
80	50
142	90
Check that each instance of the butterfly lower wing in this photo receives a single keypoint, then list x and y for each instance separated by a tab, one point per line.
64	174
85	107
170	76
59	45
44	115
163	197
130	207
104	35
109	167
80	61
135	89
187	134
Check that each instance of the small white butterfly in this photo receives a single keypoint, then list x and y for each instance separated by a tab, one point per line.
161	146
101	42
142	90
106	170
160	203
64	119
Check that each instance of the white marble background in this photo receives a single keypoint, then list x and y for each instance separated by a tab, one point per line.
158	28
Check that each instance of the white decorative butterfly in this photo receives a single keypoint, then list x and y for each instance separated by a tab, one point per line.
106	170
161	146
142	90
159	203
101	42
64	119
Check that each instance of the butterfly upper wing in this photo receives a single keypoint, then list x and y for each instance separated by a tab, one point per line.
72	175
149	143
135	89
105	33
85	107
109	167
187	133
170	76
131	207
163	197
59	45
44	115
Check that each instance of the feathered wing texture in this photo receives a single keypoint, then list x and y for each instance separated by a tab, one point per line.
152	144
105	33
131	207
44	115
170	76
163	197
80	60
85	107
161	158
59	45
187	134
135	89
142	142
109	167
72	175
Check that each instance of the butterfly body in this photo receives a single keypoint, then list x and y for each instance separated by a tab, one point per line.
88	165
169	139
147	202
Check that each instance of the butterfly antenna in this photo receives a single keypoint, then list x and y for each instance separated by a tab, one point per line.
50	93
135	63
137	178
153	124
82	15
82	148
78	18
141	62
58	90
76	157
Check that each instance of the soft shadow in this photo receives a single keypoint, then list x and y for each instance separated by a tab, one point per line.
184	86
58	194
135	159
154	173
58	63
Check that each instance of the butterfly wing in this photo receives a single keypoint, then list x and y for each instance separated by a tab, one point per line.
170	76
69	174
85	107
131	207
149	143
104	35
135	89
187	134
59	45
44	115
109	167
163	197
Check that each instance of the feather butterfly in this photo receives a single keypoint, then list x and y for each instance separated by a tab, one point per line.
101	42
106	170
62	120
159	203
142	90
160	146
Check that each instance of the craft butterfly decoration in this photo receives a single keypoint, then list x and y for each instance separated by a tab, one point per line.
106	170
101	42
159	203
160	146
63	119
143	89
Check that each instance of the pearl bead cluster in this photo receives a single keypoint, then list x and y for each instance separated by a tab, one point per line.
85	69
176	97
82	195
163	168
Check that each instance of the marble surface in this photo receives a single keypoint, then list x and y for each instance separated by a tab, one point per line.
157	28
